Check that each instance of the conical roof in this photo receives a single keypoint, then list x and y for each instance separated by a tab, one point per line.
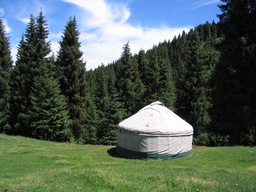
156	119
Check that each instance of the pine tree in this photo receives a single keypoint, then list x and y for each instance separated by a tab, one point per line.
42	32
235	90
92	121
152	77
22	81
71	70
5	71
129	81
102	100
32	53
114	111
109	108
48	113
196	101
167	89
143	67
157	77
178	56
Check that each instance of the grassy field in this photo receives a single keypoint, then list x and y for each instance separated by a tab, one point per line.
33	165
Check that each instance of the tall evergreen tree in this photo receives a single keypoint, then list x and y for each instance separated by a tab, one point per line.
71	71
114	111
109	108
129	81
22	81
32	52
5	71
102	100
167	89
152	77
143	67
178	56
48	111
196	100
234	96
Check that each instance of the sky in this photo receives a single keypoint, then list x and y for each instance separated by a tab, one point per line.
106	25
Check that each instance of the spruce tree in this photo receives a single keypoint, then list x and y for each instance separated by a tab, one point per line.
102	100
48	111
152	77
235	90
5	72
32	53
22	81
108	106
114	111
143	67
195	100
92	121
129	82
142	64
92	117
71	75
166	87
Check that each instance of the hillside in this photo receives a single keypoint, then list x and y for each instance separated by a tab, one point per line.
34	165
205	75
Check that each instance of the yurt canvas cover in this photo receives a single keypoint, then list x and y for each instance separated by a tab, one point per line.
154	132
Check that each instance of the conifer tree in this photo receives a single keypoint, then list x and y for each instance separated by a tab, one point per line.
152	77
102	100
109	108
178	56
143	67
196	101
32	52
235	90
48	111
22	81
5	72
114	111
71	71
92	117
166	87
129	81
92	121
142	64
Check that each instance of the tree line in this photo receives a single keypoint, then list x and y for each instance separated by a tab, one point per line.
207	76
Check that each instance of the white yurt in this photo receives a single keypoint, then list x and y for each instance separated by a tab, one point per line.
154	132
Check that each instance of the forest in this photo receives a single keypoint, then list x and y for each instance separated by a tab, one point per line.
207	76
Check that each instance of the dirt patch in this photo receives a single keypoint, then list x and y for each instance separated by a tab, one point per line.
253	168
1	139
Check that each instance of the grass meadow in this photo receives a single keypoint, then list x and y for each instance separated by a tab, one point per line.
33	165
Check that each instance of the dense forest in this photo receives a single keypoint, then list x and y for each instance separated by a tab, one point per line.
207	76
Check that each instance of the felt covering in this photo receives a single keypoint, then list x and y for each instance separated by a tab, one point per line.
154	132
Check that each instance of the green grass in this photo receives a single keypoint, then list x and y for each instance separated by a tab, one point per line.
33	165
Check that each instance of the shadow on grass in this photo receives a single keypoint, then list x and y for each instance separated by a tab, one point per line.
112	152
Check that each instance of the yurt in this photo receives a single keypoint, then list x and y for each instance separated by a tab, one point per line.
154	132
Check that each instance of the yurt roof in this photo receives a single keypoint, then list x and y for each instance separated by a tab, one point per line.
156	119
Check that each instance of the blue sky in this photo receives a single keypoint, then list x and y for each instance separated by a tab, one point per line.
106	25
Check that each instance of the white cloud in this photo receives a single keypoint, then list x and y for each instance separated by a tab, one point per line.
55	47
25	20
104	29
202	3
2	12
6	26
8	29
54	36
14	52
20	16
32	7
